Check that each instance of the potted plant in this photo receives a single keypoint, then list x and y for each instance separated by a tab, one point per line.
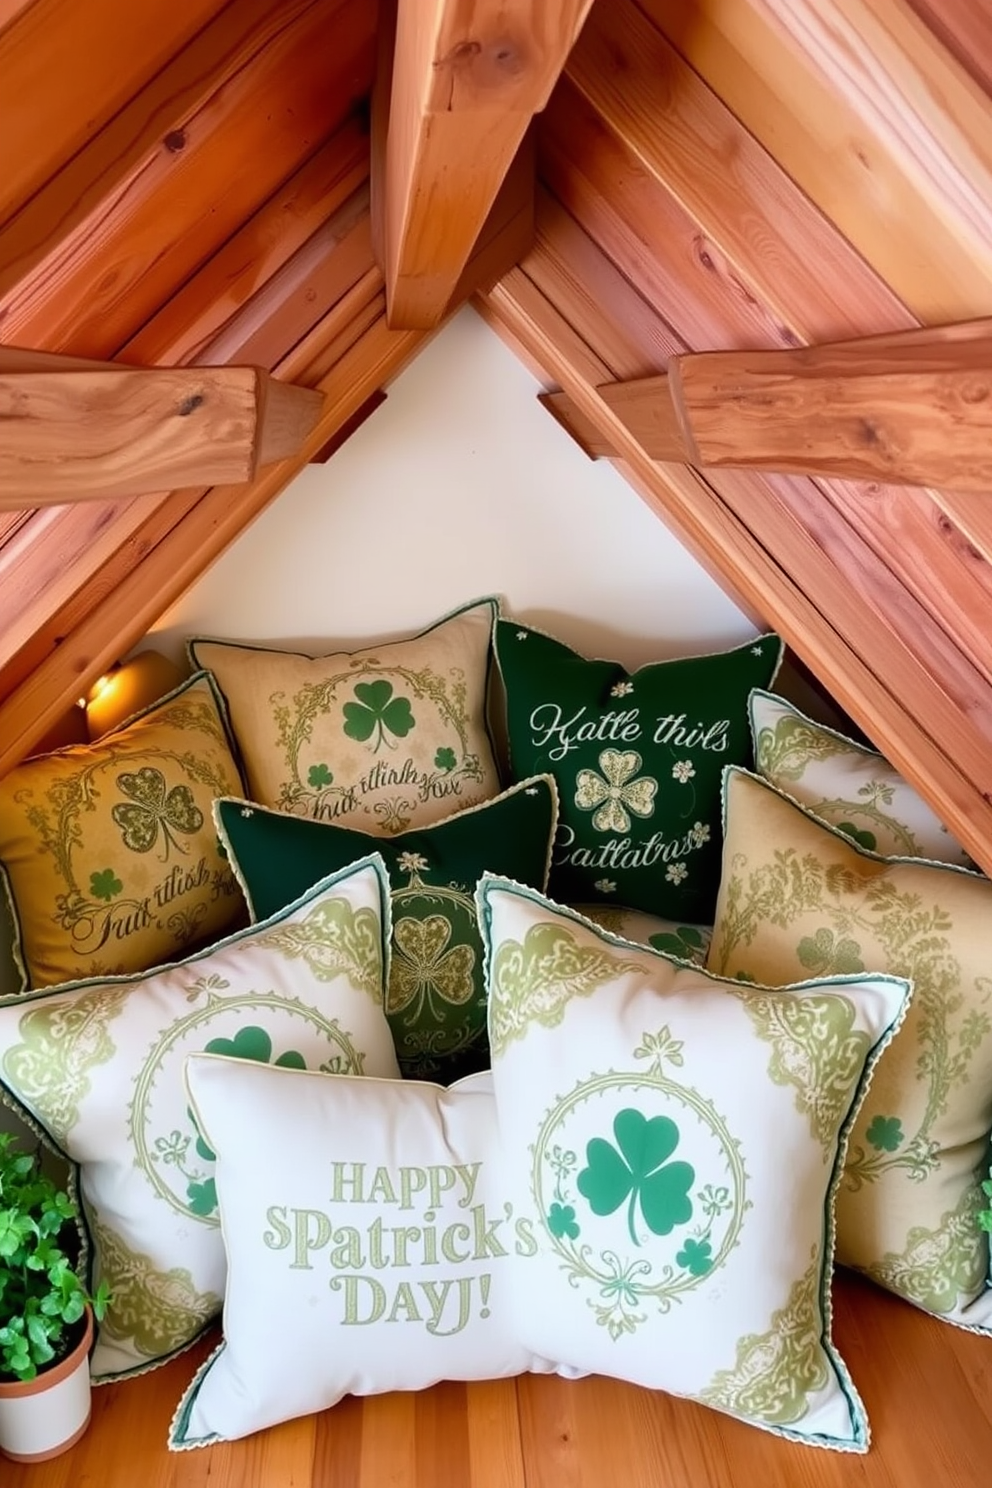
46	1314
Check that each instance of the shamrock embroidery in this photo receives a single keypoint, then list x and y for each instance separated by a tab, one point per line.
377	712
318	776
885	1133
561	1222
823	954
637	1169
613	794
423	965
153	808
105	885
696	1256
684	941
445	759
862	837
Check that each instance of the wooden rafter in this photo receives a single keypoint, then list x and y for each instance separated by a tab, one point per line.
467	78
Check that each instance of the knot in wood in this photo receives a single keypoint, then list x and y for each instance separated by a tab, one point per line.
190	404
175	141
485	65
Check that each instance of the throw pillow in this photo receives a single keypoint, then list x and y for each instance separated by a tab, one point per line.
845	784
385	1262
673	1143
798	898
638	760
436	998
385	738
97	1067
111	849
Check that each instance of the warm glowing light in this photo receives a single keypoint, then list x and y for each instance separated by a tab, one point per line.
129	688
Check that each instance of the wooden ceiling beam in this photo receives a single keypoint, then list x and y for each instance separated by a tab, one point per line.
467	78
913	408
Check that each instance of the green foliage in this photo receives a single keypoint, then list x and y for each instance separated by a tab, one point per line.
41	1297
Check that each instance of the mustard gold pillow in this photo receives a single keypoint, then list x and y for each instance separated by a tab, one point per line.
799	899
110	849
381	739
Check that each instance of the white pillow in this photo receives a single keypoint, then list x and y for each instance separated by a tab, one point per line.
672	1141
97	1067
846	785
368	1217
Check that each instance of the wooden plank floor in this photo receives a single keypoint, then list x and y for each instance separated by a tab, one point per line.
927	1388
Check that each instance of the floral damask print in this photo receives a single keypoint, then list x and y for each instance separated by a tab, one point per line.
156	1311
777	1371
62	1042
538	978
940	1266
637	1170
824	954
617	791
153	808
334	939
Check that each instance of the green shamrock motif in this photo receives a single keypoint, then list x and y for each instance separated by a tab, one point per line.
561	1222
445	759
685	942
152	808
696	1256
885	1133
105	885
377	712
637	1169
859	835
248	1043
319	776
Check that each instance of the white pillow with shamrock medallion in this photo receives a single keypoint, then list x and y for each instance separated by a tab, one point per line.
97	1068
674	1141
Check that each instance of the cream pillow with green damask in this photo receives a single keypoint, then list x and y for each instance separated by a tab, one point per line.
382	1266
799	898
385	738
111	849
97	1068
436	998
847	785
673	1140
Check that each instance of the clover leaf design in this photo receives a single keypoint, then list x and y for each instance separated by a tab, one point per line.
637	1169
561	1222
696	1256
445	759
684	941
377	712
885	1133
152	808
318	776
824	954
424	964
612	795
860	835
105	885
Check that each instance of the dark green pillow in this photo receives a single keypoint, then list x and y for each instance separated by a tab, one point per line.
638	757
436	999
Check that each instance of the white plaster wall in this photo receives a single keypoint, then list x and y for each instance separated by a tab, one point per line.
460	485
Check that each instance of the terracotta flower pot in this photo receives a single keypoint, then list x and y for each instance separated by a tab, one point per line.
42	1417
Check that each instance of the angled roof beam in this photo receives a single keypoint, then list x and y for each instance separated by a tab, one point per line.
467	78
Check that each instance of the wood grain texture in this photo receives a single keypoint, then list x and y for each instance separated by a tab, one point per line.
925	1385
92	435
965	28
67	67
844	141
256	118
465	80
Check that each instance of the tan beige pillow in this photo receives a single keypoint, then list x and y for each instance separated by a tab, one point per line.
111	849
798	899
381	739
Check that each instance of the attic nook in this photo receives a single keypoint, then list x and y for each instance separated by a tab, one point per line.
745	246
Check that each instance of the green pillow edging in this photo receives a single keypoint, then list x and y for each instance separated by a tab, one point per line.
11	1101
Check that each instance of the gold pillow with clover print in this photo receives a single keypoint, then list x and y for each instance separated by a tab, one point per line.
673	1140
798	898
853	788
386	1263
110	848
638	759
96	1068
389	737
436	997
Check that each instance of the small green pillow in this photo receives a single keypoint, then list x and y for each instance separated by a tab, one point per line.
436	998
638	758
848	786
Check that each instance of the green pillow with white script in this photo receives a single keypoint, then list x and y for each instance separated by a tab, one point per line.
637	758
